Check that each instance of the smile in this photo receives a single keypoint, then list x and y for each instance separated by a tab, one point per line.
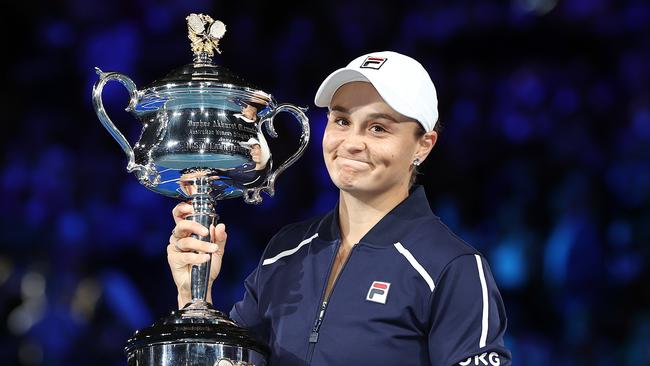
352	162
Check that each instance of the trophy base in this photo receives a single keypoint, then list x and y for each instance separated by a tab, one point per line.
196	335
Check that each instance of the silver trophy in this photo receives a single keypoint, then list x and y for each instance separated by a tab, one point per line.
201	141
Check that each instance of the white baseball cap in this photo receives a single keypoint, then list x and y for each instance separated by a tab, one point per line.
401	81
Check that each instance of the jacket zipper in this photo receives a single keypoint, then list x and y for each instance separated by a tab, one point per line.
313	336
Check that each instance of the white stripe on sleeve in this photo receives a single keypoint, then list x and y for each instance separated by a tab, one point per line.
288	252
484	322
418	267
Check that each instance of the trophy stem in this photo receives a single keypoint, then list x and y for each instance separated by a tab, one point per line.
204	214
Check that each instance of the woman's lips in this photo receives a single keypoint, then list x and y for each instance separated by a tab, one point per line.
353	163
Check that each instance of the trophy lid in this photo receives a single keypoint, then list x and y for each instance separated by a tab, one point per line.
205	33
207	74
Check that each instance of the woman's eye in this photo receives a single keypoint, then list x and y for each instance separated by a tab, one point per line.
377	128
341	122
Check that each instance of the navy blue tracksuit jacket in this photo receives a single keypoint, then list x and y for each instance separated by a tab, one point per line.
410	293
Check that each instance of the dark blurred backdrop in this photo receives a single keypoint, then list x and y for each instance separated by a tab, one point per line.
543	164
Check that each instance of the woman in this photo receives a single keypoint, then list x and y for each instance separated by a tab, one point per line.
380	279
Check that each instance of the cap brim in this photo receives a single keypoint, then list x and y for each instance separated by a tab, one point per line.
250	142
333	82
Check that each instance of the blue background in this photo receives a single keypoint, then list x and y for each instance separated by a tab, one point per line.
543	163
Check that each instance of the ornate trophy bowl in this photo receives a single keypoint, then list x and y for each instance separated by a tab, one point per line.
201	142
201	116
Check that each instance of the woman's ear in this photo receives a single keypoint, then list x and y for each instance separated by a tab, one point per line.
425	144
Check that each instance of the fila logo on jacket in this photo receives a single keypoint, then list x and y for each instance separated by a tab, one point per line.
378	292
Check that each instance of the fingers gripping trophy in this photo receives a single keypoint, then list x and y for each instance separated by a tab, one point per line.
201	142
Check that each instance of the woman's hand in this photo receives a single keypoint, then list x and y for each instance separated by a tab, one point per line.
182	247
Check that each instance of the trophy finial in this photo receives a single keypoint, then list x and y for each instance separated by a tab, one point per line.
205	33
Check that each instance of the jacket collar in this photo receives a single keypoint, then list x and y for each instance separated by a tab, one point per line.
393	227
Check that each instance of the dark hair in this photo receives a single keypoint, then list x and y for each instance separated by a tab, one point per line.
419	132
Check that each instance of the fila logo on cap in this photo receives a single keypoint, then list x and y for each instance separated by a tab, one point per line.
378	292
373	62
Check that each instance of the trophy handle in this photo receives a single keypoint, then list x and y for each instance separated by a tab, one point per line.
252	195
105	77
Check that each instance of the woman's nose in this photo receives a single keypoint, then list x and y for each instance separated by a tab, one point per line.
353	141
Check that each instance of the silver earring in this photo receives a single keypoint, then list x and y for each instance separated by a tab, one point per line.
416	162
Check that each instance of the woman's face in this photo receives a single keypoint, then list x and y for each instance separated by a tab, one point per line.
368	147
256	153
